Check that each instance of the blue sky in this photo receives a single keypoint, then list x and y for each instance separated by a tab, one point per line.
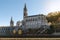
14	8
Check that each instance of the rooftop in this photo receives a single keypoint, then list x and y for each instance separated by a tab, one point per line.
35	15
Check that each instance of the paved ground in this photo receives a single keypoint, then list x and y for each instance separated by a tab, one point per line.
32	36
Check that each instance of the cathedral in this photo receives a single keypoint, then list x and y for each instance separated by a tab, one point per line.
34	21
28	22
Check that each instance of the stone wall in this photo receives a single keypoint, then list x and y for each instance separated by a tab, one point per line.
29	38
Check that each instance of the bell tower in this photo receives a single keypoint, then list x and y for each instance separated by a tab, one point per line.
25	11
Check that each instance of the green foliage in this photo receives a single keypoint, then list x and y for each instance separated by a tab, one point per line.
51	30
54	19
53	16
33	31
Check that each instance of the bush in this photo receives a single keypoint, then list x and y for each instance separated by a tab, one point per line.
51	30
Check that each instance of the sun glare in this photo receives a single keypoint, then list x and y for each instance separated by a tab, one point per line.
53	6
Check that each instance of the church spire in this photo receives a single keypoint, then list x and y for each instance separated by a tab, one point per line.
25	7
11	18
25	11
11	22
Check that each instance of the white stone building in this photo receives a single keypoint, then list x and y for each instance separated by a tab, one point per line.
34	21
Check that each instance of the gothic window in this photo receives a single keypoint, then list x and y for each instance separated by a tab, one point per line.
38	17
33	19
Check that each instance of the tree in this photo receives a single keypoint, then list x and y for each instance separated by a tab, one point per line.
51	30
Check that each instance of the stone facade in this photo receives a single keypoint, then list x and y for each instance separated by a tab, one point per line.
35	21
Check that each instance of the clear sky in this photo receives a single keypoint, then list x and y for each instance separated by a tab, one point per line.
14	8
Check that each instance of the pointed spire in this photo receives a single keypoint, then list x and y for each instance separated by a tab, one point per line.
11	18
25	7
25	11
11	22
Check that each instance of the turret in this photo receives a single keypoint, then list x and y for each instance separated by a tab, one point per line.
11	22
